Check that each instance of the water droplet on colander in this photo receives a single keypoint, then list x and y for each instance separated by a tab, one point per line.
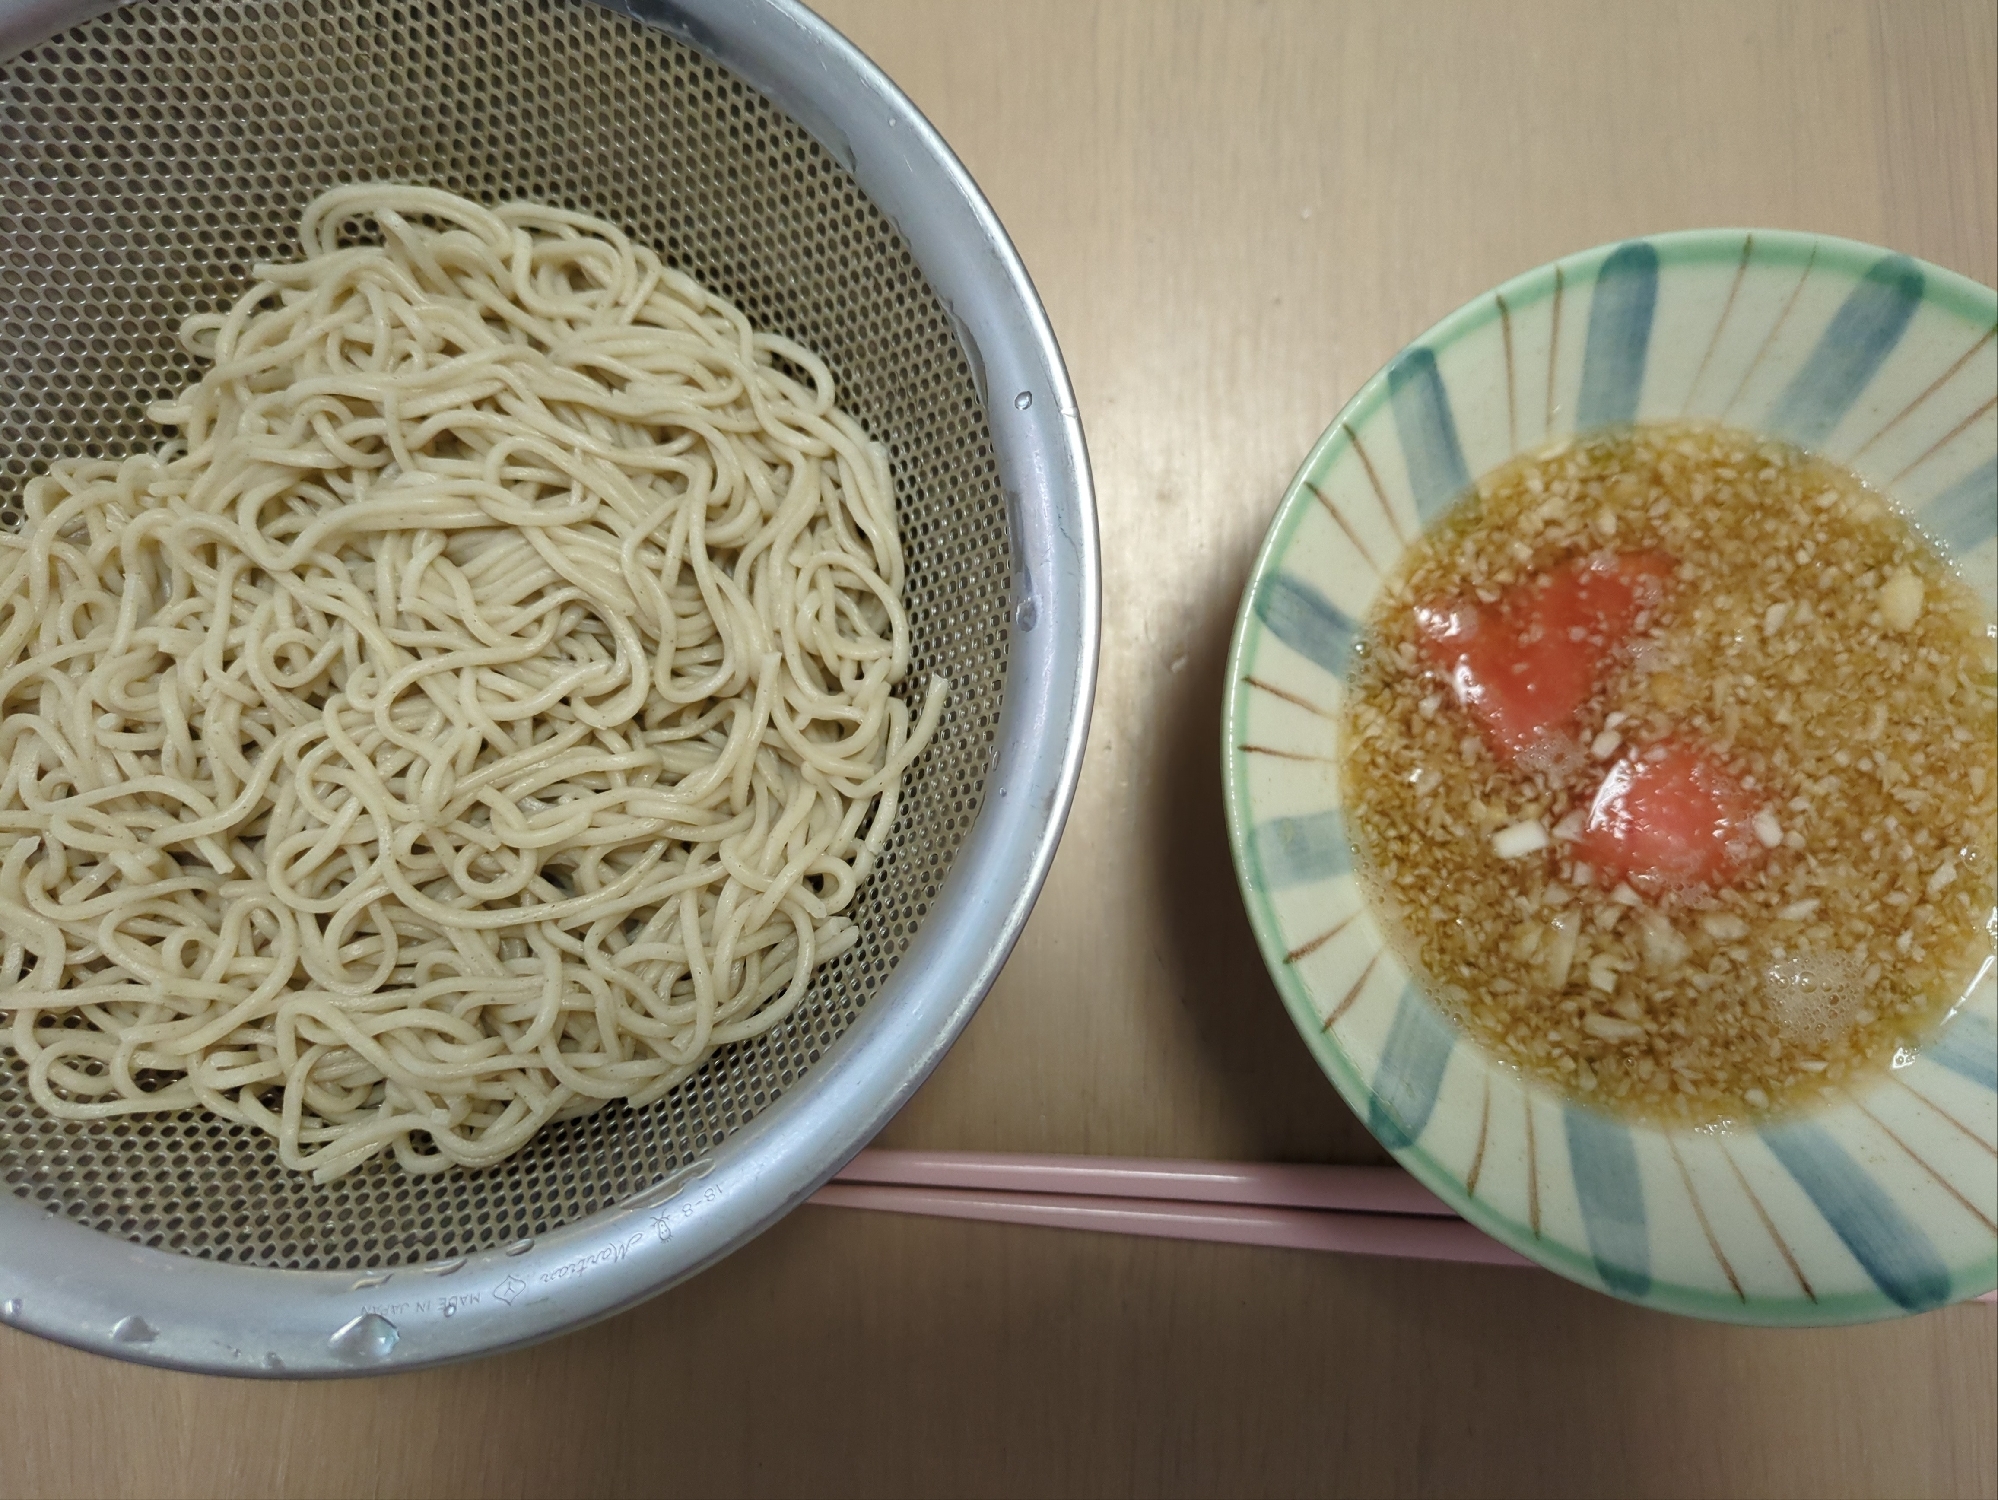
448	1267
1027	614
133	1330
1024	400
521	1247
377	1278
10	1309
671	1185
368	1337
272	1362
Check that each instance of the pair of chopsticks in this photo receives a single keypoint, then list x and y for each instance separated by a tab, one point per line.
1360	1210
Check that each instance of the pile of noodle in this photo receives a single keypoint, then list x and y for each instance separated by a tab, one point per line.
483	709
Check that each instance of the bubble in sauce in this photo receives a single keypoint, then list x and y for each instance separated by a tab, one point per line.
1814	994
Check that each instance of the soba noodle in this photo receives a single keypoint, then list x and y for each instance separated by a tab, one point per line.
483	709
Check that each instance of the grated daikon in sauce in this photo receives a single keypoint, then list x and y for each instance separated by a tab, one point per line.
1793	876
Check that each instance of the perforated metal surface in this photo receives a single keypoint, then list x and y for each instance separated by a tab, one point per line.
147	159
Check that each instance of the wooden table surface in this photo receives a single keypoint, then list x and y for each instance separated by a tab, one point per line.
1236	212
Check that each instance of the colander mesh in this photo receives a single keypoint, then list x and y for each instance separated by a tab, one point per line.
148	158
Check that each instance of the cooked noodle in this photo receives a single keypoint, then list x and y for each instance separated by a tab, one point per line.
483	709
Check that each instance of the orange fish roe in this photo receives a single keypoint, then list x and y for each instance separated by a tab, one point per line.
1723	842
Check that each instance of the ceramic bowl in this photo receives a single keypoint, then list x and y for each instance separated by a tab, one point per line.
1883	1203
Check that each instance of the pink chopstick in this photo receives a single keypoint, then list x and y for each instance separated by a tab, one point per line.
1357	1210
1360	1210
1402	1235
1375	1190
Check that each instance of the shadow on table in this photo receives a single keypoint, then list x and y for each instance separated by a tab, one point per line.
1287	1110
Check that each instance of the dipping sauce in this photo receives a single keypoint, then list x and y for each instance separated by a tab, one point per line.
1671	756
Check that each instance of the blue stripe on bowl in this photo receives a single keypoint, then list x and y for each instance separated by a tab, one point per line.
1428	433
1966	513
1610	1190
1892	1248
1297	851
1619	340
1861	334
1968	1047
1306	621
1404	1089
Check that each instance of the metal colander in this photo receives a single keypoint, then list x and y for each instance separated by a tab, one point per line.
148	157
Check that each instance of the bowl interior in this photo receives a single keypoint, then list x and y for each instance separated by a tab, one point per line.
1881	1204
